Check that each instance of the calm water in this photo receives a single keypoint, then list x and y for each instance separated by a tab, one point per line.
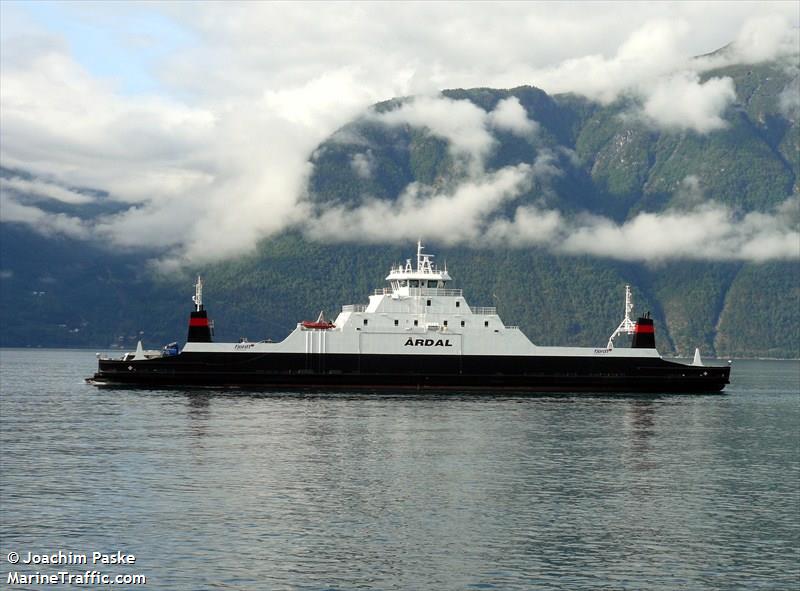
254	491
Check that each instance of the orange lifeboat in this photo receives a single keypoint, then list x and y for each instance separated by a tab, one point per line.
319	324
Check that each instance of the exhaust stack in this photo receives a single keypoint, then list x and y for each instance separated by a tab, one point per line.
644	334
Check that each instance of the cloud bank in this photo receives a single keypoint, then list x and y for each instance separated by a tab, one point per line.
474	215
211	154
709	232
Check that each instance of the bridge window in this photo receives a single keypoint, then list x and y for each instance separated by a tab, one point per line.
433	283
429	303
404	283
413	282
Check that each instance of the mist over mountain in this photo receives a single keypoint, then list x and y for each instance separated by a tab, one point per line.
543	205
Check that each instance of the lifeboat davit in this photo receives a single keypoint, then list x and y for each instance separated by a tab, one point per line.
319	324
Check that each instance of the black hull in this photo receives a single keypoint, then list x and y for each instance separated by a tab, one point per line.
417	372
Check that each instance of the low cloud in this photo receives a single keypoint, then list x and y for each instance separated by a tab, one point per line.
652	68
454	217
654	49
472	216
709	232
44	190
681	101
46	224
363	164
460	122
509	115
789	98
465	126
765	38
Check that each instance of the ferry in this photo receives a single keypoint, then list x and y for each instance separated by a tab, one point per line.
415	334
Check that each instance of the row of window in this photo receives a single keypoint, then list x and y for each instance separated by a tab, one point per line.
458	303
418	283
416	323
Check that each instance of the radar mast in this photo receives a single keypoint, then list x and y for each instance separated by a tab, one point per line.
627	325
197	298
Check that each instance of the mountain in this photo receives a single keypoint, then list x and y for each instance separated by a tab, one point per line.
62	291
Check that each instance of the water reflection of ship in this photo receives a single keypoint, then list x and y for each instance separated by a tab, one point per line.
199	411
641	420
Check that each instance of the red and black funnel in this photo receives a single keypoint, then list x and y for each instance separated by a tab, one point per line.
644	333
199	327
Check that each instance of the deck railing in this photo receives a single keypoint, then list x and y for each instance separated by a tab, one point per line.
354	308
485	310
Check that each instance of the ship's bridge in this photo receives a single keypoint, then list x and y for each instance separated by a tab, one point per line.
418	303
405	280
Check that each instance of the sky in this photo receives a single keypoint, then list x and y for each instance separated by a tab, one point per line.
202	115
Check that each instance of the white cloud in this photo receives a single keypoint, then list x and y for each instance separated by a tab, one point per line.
466	127
765	38
650	51
681	101
44	189
363	164
510	115
47	224
653	67
453	217
529	226
789	98
470	216
460	122
60	121
709	232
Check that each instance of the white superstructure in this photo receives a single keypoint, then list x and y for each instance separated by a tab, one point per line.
417	314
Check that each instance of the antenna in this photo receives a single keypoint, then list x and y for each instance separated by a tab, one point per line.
627	325
197	298
419	255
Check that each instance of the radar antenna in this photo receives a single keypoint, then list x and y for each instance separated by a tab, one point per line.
197	298
424	262
627	325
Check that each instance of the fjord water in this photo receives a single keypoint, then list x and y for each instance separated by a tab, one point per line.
237	490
